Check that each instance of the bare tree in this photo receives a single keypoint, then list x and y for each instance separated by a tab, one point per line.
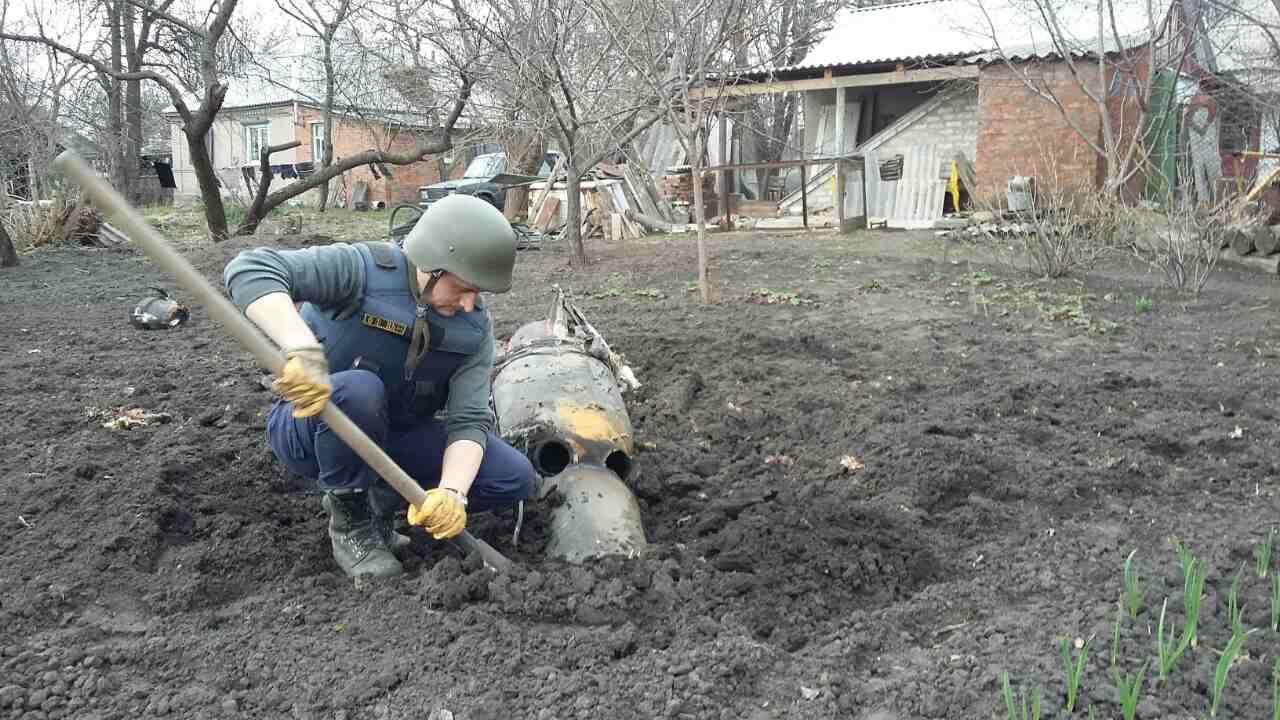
685	73
194	48
322	18
436	111
565	73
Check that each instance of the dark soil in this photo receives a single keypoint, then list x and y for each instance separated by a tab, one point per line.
1000	460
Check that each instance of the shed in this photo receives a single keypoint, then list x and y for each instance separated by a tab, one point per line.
928	89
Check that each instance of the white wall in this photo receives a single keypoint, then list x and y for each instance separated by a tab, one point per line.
229	147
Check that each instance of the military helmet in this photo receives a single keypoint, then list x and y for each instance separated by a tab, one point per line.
468	237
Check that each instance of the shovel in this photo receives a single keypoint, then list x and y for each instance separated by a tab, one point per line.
127	219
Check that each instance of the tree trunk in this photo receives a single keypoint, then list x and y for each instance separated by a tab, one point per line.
210	191
573	216
699	213
132	104
256	211
115	100
326	158
526	162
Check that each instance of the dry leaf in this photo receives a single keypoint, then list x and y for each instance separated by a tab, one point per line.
851	463
784	460
1237	433
134	417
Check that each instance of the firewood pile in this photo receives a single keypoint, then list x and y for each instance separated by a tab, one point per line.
617	202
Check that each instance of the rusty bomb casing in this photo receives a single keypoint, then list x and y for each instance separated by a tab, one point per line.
557	393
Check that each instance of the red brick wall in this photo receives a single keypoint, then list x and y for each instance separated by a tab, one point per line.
352	136
1019	133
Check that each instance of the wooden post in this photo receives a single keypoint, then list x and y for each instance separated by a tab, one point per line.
838	200
804	196
839	168
724	174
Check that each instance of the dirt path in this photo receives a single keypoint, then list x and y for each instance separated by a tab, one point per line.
867	498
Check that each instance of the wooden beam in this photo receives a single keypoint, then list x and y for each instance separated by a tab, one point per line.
959	72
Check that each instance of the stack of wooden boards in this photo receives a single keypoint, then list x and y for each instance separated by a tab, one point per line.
614	202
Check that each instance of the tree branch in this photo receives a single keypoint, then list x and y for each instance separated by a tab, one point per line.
179	103
162	12
367	157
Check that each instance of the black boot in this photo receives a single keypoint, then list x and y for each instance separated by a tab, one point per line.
359	546
385	503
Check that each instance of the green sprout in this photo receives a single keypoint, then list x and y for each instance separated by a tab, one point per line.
1194	573
1019	711
1115	632
1185	556
1234	646
1234	611
1275	690
1132	587
1129	691
1073	670
1168	651
1275	603
1144	304
1262	553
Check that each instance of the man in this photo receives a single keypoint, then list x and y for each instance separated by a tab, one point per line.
405	335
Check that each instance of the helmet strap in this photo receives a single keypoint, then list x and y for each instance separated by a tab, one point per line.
421	342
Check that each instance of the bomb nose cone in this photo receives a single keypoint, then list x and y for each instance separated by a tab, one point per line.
599	516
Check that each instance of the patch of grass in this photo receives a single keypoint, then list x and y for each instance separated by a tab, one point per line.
822	264
1073	670
1073	312
653	293
1229	655
1020	710
1144	304
765	296
1051	306
982	277
1133	594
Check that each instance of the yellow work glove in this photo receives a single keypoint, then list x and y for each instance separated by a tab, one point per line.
443	513
304	380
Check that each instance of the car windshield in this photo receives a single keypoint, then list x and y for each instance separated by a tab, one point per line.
484	166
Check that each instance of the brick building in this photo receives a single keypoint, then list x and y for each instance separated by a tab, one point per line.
240	131
914	86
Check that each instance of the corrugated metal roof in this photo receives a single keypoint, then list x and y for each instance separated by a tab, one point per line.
976	30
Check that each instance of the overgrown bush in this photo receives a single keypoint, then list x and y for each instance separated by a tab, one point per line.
36	224
1182	242
1067	232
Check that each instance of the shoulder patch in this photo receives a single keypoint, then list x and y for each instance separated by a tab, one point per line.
381	323
384	254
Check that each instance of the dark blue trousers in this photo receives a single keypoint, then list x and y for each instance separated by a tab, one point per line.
309	448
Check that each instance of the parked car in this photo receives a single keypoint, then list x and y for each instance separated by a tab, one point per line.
479	178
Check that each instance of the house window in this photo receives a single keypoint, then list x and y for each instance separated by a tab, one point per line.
256	137
317	142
